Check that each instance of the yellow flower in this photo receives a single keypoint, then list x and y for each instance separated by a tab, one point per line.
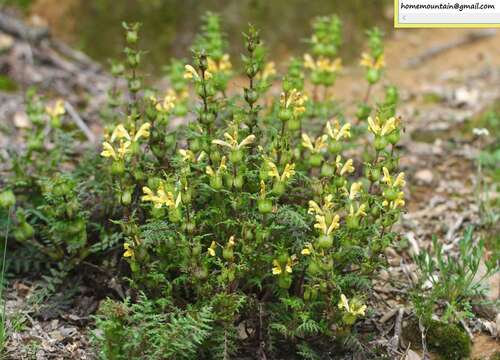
319	143
347	168
307	250
322	64
129	252
325	228
123	149
277	268
108	151
288	172
268	71
211	249
188	156
356	187
231	241
223	65
222	167
399	182
120	133
190	72
354	308
143	132
369	62
336	133
328	204
294	100
262	189
57	109
168	103
232	141
360	212
161	198
378	127
396	203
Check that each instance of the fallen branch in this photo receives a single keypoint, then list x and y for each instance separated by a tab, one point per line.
17	28
79	122
394	341
434	51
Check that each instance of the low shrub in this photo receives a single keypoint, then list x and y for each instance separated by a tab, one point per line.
253	227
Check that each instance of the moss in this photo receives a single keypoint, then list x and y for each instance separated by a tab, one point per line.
7	84
448	341
495	356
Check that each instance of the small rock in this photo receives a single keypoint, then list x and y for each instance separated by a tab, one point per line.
424	176
412	355
384	275
394	258
21	120
6	42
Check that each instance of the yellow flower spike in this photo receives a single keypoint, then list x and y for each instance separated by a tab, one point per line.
168	103
262	189
208	74
322	64
400	180
211	249
231	241
190	73
209	171
57	109
314	208
288	267
389	126
369	62
269	70
120	133
143	132
149	195
232	141
276	267
123	149
336	132
335	224
387	176
344	303
225	63
306	142
324	227
348	168
380	63
373	125
328	200
129	252
288	172
187	155
246	141
305	251
108	151
356	188
360	311
212	65
361	210
309	62
319	143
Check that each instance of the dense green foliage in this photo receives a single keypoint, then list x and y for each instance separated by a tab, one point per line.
248	228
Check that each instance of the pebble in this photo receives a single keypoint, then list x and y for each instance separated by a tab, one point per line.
424	176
